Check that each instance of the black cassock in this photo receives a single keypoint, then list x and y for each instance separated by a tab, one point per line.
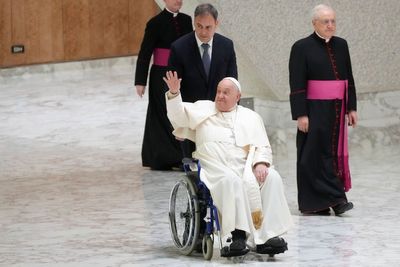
319	181
160	150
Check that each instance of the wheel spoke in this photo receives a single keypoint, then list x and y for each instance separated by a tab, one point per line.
184	220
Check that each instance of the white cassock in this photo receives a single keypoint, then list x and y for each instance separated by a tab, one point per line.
228	145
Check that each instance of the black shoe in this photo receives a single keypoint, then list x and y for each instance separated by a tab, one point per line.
237	247
238	240
227	252
342	208
273	246
325	212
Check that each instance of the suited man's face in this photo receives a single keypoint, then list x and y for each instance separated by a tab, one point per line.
205	27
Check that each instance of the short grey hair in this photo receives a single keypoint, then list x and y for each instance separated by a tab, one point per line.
316	11
204	9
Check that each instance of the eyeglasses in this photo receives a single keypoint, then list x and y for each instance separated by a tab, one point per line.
327	21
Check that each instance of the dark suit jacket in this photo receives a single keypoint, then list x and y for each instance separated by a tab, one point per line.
185	58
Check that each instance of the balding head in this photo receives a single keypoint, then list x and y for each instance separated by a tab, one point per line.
318	10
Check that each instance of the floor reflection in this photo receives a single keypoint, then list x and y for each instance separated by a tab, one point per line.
73	192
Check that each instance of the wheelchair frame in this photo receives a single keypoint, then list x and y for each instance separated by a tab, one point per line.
198	198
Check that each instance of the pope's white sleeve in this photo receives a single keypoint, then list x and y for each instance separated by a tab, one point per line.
263	154
176	112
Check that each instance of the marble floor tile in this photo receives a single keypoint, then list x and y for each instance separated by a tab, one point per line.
73	192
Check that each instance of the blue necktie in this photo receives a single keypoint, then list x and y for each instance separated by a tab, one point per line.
206	58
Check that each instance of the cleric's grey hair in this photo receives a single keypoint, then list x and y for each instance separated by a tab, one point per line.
316	11
204	9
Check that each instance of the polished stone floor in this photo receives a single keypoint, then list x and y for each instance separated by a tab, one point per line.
73	192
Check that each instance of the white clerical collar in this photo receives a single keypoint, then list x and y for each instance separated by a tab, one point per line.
326	40
234	108
231	111
173	13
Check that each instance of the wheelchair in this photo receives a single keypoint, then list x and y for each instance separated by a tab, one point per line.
193	216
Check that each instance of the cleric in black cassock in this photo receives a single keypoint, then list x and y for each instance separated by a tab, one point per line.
160	149
321	83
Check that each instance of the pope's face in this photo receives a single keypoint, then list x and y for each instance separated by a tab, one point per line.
325	23
227	96
173	5
205	27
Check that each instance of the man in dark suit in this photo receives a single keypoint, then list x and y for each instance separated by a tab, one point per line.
187	53
202	59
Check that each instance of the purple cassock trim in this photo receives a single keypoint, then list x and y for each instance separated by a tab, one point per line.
160	56
335	89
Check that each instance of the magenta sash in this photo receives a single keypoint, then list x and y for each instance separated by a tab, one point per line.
335	89
160	56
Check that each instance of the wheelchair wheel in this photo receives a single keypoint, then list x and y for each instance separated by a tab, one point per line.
184	216
208	247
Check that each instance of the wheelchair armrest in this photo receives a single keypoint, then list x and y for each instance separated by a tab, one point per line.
191	164
189	160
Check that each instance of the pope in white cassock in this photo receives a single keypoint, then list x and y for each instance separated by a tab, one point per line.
236	158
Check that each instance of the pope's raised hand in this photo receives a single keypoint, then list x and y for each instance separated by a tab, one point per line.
172	81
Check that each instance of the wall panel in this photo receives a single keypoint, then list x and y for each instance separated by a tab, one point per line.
43	30
32	37
116	28
97	23
76	29
5	29
18	29
64	30
139	14
5	32
51	35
